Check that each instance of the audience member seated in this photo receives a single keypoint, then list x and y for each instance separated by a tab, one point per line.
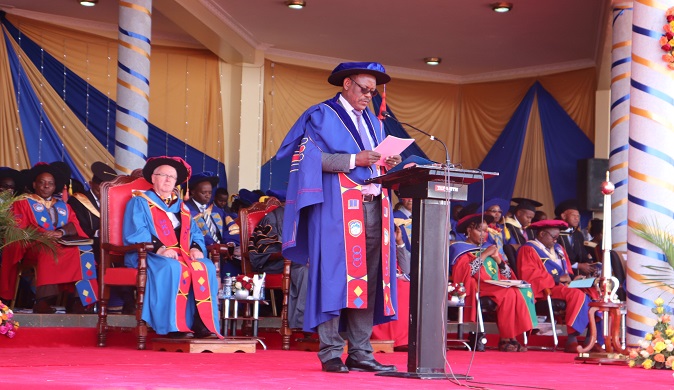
574	241
496	229
474	262
9	180
516	228
221	199
539	215
402	217
72	264
545	265
178	274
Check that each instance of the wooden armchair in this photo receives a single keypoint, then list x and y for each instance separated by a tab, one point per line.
249	219
114	197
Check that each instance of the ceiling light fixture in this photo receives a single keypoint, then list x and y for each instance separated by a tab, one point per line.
296	4
433	61
88	3
502	7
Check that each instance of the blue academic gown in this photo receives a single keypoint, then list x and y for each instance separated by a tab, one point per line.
163	274
406	229
313	229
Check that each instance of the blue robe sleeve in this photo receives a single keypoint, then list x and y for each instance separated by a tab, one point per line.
136	228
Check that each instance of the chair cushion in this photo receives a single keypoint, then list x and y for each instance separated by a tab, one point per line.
121	276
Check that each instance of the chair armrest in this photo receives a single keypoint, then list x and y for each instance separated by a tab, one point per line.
141	247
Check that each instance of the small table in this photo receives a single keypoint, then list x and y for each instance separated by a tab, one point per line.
253	316
459	323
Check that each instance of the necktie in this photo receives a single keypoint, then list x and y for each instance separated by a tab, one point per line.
362	130
524	233
211	225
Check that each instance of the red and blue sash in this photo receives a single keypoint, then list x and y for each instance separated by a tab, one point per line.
88	285
193	272
355	246
550	265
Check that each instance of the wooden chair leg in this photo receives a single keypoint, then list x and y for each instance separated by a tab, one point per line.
272	296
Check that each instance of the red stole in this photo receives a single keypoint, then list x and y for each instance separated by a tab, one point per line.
193	272
355	246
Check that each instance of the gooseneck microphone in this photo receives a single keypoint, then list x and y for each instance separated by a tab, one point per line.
432	137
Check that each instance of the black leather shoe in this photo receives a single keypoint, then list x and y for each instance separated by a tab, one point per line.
368	365
335	365
179	335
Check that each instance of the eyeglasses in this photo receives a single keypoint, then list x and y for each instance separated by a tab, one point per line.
365	91
554	238
495	211
165	176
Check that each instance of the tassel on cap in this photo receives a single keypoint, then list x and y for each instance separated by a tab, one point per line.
382	107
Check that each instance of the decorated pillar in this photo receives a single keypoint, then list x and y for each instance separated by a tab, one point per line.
621	52
133	84
650	189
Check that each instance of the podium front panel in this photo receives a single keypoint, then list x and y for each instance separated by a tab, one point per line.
435	190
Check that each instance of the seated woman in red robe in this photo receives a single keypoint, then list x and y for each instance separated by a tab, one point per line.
475	264
55	219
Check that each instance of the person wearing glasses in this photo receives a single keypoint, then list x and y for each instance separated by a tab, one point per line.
476	260
545	265
178	274
342	226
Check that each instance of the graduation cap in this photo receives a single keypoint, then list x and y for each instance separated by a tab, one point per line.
548	224
102	172
247	197
278	194
346	69
503	204
569	204
208	176
465	222
526	204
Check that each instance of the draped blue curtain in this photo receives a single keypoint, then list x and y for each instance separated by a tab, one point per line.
504	156
564	143
97	111
42	142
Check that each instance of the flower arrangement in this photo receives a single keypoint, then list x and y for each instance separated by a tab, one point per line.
656	350
242	282
457	290
667	40
8	326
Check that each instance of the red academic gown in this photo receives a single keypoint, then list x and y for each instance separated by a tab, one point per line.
513	315
531	268
66	268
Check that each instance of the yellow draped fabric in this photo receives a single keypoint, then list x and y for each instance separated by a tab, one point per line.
13	151
184	83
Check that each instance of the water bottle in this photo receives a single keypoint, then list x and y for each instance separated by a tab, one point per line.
227	286
262	288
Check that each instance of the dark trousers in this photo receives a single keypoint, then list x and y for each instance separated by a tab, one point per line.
358	321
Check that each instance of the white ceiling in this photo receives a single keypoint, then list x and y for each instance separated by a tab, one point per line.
475	43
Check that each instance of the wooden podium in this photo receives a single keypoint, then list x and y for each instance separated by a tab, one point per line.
432	188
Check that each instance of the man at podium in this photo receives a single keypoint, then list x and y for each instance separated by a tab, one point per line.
337	223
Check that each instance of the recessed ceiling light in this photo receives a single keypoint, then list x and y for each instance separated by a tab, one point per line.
88	3
502	7
433	60
296	4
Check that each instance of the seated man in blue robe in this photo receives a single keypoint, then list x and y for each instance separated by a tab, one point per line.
178	275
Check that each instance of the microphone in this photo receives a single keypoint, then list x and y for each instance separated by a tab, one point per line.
432	137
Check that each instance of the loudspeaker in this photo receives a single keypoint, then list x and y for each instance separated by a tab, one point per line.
591	173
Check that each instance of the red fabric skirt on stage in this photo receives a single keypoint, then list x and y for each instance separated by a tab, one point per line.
397	330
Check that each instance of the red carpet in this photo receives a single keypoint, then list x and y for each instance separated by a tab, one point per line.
60	365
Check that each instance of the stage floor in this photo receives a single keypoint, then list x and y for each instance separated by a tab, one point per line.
117	367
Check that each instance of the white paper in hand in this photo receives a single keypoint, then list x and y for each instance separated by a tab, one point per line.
391	146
